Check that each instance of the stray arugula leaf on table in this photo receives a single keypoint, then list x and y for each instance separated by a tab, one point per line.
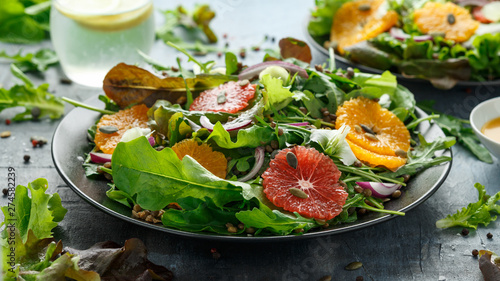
38	102
456	127
39	61
475	213
24	22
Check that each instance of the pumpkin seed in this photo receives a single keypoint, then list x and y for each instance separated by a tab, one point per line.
292	160
221	97
401	153
244	82
357	128
108	129
371	136
364	7
451	19
367	129
353	265
326	278
298	193
5	134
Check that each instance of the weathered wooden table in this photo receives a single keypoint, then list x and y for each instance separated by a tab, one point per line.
405	248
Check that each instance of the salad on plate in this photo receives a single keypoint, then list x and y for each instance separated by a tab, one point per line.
442	41
276	148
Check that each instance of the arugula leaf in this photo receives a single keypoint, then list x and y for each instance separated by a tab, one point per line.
39	61
30	97
423	156
157	178
231	63
251	137
453	126
24	22
475	213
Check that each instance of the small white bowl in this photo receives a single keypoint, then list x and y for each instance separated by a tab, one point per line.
481	114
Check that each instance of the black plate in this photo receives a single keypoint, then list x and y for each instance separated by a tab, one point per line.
317	44
70	142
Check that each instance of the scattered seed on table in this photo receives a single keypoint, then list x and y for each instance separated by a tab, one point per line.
353	265
5	192
5	134
489	235
65	81
475	252
326	278
35	112
7	121
359	278
465	232
26	158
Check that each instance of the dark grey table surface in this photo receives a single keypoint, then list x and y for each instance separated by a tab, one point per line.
405	248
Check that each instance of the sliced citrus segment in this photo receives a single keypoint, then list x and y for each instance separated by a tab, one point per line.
390	133
229	97
213	161
123	120
375	160
454	21
360	20
310	189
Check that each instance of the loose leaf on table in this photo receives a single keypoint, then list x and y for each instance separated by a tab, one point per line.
424	156
475	213
39	61
157	178
30	217
114	262
31	99
128	85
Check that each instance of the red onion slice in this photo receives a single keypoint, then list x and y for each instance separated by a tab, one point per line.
259	161
401	35
254	70
379	189
230	126
152	141
100	158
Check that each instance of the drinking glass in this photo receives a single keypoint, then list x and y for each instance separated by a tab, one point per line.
92	36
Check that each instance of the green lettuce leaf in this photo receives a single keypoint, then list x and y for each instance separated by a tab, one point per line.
30	217
277	95
156	178
251	137
333	143
24	22
475	213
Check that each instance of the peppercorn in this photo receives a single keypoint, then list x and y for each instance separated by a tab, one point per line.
5	191
475	252
489	235
7	121
359	278
26	158
465	232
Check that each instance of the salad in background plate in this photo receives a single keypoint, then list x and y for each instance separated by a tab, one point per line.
276	148
444	42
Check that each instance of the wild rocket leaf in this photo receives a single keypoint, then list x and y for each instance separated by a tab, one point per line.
31	99
157	178
38	61
24	22
475	213
128	85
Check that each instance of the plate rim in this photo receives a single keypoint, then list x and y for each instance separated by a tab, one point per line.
227	238
317	46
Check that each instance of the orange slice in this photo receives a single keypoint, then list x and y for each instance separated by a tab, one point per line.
360	20
213	161
376	133
456	22
123	120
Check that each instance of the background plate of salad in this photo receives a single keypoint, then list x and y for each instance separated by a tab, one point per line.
446	42
277	150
